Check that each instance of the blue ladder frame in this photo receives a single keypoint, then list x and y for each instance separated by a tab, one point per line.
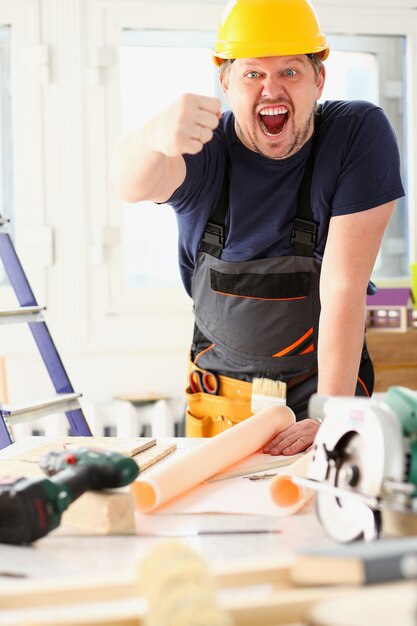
43	339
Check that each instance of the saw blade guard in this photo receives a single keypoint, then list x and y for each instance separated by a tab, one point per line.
357	448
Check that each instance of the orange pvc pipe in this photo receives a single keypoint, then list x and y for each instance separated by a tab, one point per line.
284	492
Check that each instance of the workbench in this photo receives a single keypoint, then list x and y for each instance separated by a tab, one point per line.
64	558
59	555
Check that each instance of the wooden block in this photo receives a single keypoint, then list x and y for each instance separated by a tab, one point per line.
102	513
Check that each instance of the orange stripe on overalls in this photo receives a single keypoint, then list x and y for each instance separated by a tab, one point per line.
234	295
203	351
364	387
295	344
309	349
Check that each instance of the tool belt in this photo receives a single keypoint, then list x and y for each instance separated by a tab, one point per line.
208	415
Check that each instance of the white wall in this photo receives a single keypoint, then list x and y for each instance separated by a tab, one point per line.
65	122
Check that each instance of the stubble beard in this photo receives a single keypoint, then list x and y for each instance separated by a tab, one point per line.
299	138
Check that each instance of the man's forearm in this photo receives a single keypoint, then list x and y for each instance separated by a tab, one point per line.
340	344
137	169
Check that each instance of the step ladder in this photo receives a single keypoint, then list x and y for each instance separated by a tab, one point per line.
66	399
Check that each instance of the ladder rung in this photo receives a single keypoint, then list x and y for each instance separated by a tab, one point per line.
28	411
22	314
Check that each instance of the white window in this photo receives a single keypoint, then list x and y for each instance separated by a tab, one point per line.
181	63
373	69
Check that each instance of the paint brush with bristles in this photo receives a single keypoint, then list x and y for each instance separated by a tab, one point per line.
267	393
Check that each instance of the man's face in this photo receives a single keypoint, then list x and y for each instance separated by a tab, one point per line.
273	99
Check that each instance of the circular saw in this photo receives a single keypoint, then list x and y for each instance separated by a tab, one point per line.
364	461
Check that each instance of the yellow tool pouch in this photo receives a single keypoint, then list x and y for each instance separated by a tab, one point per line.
208	415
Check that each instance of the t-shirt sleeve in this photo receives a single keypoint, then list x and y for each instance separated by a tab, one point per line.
370	174
200	179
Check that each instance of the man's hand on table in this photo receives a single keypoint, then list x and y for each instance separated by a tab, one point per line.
293	440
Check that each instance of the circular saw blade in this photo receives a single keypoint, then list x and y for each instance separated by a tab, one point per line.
348	519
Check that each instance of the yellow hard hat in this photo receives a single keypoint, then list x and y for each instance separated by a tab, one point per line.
263	28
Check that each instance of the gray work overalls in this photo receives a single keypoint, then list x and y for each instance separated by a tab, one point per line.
260	318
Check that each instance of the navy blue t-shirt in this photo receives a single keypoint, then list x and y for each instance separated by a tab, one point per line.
357	167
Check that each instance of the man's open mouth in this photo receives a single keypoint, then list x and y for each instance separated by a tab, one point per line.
272	120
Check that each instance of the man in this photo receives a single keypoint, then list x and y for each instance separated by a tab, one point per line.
281	209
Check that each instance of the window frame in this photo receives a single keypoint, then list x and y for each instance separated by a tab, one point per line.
26	169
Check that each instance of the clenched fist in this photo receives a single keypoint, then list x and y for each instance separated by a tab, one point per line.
185	126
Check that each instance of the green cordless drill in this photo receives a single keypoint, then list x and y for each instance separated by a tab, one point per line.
32	507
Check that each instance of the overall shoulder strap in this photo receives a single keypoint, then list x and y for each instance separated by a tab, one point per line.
214	234
304	233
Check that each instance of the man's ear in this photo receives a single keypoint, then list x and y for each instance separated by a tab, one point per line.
321	79
224	83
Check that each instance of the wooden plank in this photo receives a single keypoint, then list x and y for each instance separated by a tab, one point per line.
154	454
276	608
127	446
34	593
26	463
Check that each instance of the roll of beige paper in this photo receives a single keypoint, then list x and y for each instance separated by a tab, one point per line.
177	475
284	492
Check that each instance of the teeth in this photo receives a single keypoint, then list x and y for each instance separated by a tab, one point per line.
275	111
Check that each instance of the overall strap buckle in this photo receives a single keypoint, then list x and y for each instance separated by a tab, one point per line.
304	232
214	234
213	238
